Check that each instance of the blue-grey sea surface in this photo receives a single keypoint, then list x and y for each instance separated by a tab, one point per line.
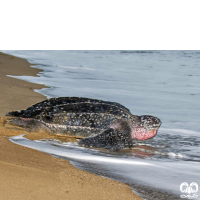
165	84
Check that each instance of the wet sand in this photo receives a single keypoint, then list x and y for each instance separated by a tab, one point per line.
30	174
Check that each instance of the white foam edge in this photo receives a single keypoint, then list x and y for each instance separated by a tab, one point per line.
62	153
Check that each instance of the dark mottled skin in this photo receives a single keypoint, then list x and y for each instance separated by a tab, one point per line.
109	139
106	124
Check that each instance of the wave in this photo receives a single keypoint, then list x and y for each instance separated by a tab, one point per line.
180	131
55	150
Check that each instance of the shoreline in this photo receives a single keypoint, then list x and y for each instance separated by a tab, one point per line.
17	94
30	174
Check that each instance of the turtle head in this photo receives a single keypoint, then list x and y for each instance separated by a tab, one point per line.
145	127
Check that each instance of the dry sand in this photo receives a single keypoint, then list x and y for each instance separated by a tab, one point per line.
30	174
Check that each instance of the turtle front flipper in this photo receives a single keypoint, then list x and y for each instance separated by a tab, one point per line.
110	139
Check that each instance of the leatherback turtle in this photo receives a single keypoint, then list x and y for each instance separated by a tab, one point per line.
104	124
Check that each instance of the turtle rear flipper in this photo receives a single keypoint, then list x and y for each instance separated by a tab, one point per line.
110	139
29	124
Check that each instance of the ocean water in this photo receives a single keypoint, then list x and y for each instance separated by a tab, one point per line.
165	84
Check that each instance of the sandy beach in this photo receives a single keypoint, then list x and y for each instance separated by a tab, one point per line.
30	174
